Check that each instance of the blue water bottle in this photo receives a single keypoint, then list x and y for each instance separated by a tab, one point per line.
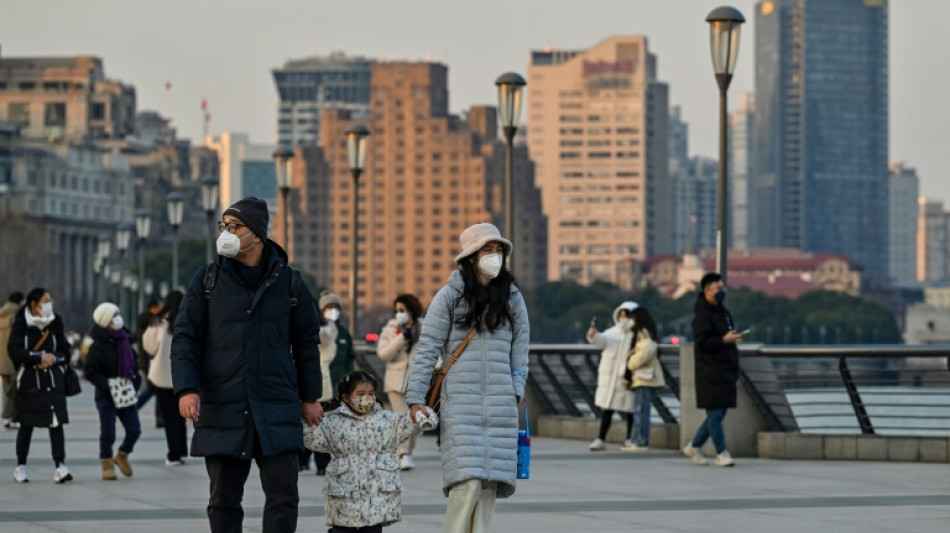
524	448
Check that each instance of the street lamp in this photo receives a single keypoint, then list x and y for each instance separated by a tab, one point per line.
176	210
724	23
356	136
102	255
510	87
282	157
142	223
122	237
209	202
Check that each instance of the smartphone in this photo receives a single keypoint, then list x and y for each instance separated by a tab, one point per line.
746	331
593	321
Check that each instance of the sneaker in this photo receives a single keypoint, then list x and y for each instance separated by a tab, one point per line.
725	459
597	446
695	455
62	474
10	424
20	474
174	462
406	463
631	447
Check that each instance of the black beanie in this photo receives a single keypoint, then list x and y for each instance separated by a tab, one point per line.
253	213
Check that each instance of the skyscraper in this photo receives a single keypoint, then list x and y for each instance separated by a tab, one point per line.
597	131
933	249
821	131
741	135
903	190
308	86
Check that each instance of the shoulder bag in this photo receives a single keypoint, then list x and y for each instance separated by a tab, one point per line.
438	374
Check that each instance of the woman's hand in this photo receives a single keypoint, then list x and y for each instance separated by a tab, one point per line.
592	331
416	408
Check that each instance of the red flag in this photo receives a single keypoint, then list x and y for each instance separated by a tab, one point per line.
204	104
168	85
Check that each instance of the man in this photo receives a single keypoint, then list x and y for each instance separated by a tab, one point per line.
717	368
246	369
7	369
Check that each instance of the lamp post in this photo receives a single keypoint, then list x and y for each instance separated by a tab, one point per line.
122	237
282	157
116	277
209	202
102	255
724	23
176	210
143	221
356	136
510	87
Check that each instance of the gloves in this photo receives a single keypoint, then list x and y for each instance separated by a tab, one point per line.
407	335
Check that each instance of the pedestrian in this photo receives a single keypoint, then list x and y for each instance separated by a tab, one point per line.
110	356
7	369
717	368
645	376
397	347
480	394
246	369
363	488
157	340
611	395
147	318
40	353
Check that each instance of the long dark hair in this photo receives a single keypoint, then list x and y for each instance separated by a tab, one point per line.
170	309
412	305
643	320
489	300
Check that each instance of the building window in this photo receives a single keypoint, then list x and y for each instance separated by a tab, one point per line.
97	111
55	115
19	114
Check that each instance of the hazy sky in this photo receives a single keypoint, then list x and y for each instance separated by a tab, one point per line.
224	50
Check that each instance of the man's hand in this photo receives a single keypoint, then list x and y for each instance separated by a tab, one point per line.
311	412
189	405
731	337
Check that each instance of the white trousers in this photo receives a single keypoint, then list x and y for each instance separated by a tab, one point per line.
398	402
471	507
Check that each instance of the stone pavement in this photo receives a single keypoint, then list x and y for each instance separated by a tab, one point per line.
571	490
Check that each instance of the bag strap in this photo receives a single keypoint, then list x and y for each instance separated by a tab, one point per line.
452	359
42	340
527	424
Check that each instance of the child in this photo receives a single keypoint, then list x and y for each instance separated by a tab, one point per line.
363	484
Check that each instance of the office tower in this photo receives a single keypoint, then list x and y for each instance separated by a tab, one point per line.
903	191
597	131
933	249
741	131
246	168
821	129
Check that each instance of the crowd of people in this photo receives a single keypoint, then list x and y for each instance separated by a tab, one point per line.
265	373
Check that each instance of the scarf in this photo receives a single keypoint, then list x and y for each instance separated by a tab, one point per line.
126	361
39	322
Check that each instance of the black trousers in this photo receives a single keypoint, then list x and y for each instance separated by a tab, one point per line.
607	417
57	440
378	528
278	479
176	432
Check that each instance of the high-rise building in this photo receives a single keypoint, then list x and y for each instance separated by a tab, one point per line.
246	168
933	249
741	134
821	129
428	176
307	87
683	194
903	191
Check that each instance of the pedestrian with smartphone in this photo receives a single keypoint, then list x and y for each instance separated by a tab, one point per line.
612	395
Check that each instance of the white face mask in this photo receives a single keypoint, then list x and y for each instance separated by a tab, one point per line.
626	323
117	322
402	318
490	265
46	309
229	244
332	315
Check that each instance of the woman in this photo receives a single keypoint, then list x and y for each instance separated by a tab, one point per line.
40	352
480	394
612	396
110	356
157	341
646	375
397	346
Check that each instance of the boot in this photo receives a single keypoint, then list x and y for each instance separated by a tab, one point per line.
108	469
122	462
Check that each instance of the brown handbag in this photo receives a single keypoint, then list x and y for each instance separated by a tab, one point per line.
438	374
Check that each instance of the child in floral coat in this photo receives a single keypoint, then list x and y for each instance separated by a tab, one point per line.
363	486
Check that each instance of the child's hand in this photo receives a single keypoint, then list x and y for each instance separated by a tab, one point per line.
426	419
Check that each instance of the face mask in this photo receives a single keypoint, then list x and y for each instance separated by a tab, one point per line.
47	309
626	323
332	315
402	318
363	404
117	322
490	265
720	296
229	244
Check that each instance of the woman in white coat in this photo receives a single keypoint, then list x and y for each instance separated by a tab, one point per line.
397	346
612	396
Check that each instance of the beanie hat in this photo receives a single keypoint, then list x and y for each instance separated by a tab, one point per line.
253	213
479	235
104	314
327	298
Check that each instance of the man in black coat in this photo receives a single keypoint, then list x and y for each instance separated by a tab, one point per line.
717	368
246	369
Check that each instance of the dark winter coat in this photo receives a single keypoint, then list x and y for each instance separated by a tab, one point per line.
343	362
717	363
251	357
40	393
102	362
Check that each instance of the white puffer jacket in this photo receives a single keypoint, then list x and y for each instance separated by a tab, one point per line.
616	343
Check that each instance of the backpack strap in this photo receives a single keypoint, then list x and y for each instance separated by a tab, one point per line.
296	285
211	276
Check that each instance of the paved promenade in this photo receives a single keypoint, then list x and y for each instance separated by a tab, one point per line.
571	490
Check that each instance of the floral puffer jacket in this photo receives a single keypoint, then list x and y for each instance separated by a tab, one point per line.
363	486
